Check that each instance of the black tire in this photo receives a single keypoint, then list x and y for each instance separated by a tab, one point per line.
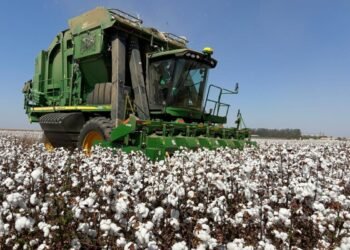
101	125
101	94
62	129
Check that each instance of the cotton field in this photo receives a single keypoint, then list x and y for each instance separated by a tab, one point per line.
277	196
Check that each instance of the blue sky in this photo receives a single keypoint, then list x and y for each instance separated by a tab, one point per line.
291	58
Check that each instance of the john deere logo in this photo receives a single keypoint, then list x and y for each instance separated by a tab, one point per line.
88	42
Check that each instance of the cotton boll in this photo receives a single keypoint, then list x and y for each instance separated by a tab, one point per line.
331	228
45	228
190	194
179	246
5	205
266	246
284	215
33	242
45	208
75	181
200	207
174	223
220	185
109	227
77	212
202	232
281	235
142	236
36	174
121	205
239	217
33	199
346	225
120	242
15	247
9	183
114	229
152	245
4	228
83	227
158	215
180	191
305	190
87	203
23	223
141	210
318	206
9	217
344	244
203	235
105	225
19	177
96	178
43	246
172	200
248	169
130	246
201	246
216	214
16	200
75	244
107	190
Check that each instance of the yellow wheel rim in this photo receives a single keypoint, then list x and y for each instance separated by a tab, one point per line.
90	139
48	146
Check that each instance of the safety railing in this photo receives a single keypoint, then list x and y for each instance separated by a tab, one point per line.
126	15
218	105
176	38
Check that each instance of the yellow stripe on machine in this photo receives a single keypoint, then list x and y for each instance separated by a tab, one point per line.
70	108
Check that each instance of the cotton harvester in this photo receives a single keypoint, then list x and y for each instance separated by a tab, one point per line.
110	80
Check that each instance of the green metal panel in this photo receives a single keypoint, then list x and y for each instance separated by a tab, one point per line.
56	70
123	130
39	78
187	142
240	143
99	17
39	71
155	153
222	142
88	43
205	142
94	71
183	112
157	146
230	143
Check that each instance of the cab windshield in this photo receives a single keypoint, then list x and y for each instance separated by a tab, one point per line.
177	82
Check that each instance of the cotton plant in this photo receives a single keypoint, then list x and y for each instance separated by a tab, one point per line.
279	195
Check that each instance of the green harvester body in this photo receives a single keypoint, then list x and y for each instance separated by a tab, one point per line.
108	78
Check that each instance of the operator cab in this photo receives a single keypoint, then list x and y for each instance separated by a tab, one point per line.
177	82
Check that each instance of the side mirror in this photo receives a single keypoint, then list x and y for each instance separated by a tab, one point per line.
236	87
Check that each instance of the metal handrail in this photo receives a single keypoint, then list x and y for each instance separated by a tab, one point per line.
175	37
218	103
126	15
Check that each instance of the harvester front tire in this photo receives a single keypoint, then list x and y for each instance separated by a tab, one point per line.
95	130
